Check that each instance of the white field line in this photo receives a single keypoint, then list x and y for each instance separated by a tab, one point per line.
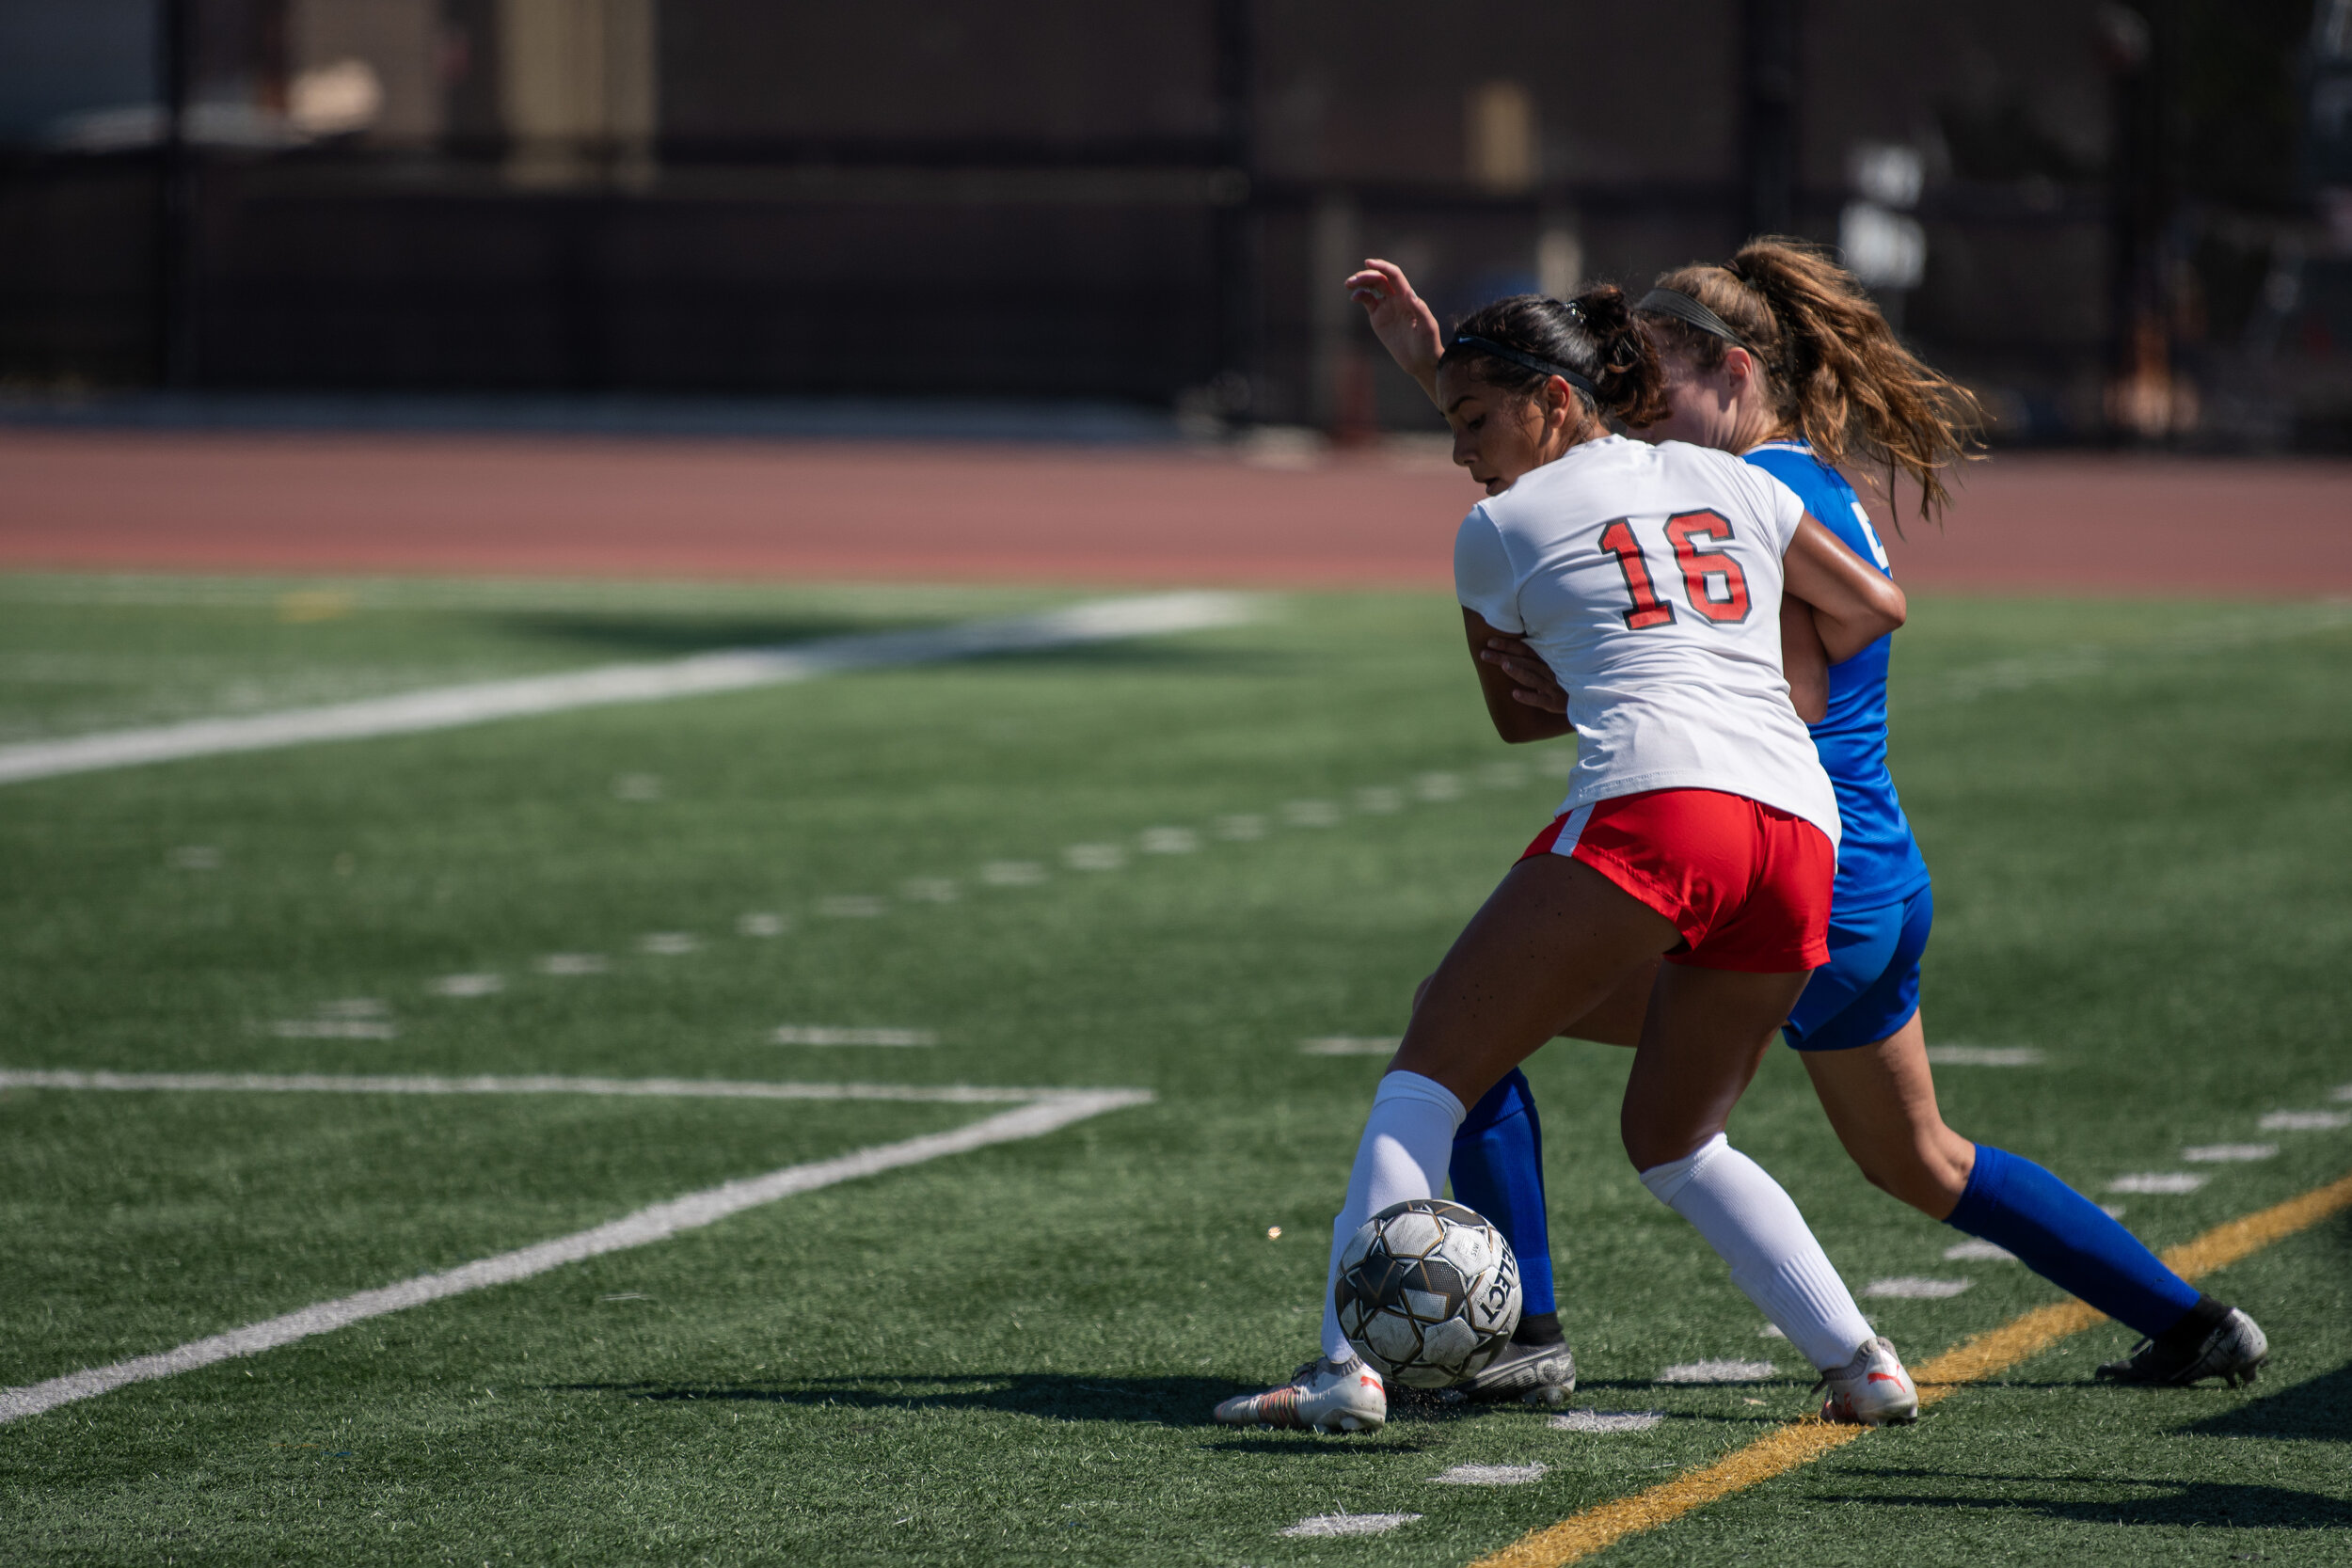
734	670
1051	1110
664	1088
2275	623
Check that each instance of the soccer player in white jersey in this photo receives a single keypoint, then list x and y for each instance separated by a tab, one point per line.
1699	825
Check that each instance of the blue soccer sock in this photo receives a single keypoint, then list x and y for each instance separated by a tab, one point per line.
2066	1238
1498	1169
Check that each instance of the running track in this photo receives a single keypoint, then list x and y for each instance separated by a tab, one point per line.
210	502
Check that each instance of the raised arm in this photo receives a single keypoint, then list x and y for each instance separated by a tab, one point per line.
1517	718
1402	320
1854	603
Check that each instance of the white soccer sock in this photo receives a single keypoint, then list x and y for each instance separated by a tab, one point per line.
1406	1147
1754	1227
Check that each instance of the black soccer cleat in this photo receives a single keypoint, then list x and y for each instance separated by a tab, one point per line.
2215	1339
1542	1374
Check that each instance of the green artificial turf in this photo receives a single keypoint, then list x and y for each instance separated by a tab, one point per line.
2136	812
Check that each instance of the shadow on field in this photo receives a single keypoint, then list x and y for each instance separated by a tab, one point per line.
640	636
677	636
1143	653
2213	1504
2318	1409
1183	1402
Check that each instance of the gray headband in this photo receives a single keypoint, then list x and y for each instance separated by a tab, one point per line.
1674	302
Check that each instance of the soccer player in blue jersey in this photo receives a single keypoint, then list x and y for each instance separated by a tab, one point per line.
1779	355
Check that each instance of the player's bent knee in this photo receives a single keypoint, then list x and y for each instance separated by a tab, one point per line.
1649	1145
1926	1177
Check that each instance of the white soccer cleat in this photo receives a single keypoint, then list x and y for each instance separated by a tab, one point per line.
1331	1397
1872	1390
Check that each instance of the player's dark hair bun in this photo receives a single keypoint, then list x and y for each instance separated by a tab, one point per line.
1593	334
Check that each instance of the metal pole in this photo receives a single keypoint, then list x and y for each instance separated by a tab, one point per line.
1768	145
175	303
1236	221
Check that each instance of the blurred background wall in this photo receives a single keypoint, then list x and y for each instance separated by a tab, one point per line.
2118	222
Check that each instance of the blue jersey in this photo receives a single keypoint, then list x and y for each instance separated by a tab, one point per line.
1878	860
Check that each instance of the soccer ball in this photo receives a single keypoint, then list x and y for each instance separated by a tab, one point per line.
1428	1292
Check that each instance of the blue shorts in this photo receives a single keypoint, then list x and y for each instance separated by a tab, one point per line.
1871	987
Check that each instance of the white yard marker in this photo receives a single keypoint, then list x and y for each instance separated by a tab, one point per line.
1379	801
1491	1475
355	1017
853	906
1012	873
761	923
1170	841
1349	1045
1984	1056
573	963
1095	857
929	890
2228	1154
669	945
1350	1523
1438	787
1717	1372
1976	1251
2306	1121
2159	1181
334	1029
1037	1113
1607	1422
733	670
468	985
1241	829
1911	1286
194	857
1311	813
817	1034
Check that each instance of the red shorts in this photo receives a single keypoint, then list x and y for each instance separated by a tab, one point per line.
1746	884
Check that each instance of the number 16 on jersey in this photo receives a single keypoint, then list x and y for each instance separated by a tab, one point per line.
1713	581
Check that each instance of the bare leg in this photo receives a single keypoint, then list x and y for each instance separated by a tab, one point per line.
1617	1020
1704	1039
1554	941
1881	1100
1708	1030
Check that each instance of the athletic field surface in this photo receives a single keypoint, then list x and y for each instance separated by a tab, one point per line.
647	1042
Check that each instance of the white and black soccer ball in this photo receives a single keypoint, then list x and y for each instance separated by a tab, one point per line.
1428	1292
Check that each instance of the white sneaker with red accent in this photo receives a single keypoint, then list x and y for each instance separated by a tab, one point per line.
1332	1397
1872	1390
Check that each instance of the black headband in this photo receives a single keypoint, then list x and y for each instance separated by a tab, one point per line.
1541	366
1674	302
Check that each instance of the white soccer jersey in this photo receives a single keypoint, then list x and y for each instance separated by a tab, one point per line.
1649	578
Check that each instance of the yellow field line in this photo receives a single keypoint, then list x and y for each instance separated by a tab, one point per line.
1581	1536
